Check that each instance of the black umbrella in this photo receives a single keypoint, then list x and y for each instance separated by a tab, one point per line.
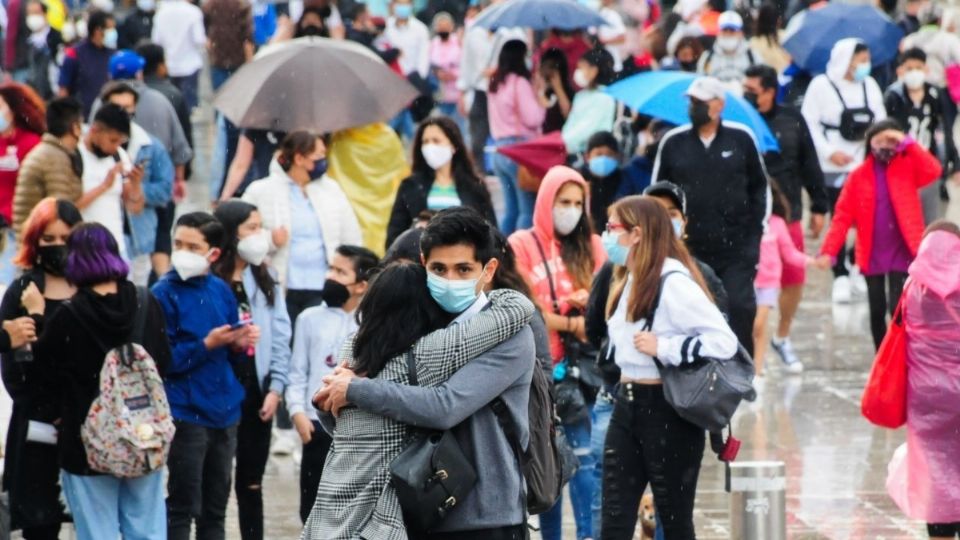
313	83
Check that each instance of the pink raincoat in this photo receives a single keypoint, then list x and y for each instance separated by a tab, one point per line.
926	483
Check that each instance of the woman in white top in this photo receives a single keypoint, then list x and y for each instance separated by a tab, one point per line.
647	442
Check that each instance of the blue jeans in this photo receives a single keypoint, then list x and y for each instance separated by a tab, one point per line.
218	76
403	124
7	269
108	507
602	411
582	486
518	204
189	85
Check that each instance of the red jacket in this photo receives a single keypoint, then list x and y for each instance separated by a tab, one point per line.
910	170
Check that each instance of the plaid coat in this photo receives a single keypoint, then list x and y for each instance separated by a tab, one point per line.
355	499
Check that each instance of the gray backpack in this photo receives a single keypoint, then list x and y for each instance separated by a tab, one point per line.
707	391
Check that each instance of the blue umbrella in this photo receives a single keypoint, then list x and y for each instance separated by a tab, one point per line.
811	43
540	15
660	94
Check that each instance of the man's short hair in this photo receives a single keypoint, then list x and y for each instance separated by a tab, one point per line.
152	55
364	261
459	226
913	53
209	226
116	88
97	20
766	74
113	117
62	114
603	139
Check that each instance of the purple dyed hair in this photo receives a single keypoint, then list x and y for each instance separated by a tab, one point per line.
94	257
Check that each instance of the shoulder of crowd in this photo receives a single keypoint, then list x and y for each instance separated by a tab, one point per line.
741	130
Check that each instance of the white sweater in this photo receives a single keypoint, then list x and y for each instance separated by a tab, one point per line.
687	325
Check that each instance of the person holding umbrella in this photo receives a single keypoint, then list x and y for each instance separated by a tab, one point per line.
718	165
839	107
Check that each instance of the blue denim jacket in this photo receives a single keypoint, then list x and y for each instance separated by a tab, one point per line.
157	191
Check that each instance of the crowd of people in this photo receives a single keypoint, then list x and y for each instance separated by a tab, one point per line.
275	306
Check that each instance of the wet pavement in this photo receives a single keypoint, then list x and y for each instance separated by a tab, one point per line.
835	461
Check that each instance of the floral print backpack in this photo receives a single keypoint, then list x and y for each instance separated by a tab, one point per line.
128	430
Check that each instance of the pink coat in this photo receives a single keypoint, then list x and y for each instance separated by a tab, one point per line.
776	249
446	56
931	304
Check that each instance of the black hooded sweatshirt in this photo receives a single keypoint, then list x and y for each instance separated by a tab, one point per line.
77	355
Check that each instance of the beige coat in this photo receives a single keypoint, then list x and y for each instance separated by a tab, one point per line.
45	172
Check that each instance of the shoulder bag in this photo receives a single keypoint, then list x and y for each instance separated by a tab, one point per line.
884	401
431	474
707	391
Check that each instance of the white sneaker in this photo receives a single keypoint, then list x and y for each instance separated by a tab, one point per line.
858	285
841	290
791	363
283	443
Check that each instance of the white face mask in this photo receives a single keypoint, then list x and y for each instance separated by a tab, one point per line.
580	78
146	5
914	79
189	265
82	29
436	155
253	249
566	218
36	22
68	32
110	37
728	43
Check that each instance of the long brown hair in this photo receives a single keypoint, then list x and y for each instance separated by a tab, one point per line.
645	261
576	248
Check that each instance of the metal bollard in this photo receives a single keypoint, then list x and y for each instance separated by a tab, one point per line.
758	503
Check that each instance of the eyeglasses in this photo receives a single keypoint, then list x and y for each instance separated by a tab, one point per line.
614	227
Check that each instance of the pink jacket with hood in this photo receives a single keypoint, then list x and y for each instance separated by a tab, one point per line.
531	264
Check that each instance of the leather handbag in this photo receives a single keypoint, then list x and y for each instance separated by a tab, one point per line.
707	391
431	475
884	401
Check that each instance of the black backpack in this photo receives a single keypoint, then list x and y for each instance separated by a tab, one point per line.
549	462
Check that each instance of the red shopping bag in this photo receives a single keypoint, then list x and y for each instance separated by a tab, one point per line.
884	401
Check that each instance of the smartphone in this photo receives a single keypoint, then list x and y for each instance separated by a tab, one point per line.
240	324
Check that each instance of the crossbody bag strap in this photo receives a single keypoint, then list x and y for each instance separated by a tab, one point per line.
648	325
412	369
546	267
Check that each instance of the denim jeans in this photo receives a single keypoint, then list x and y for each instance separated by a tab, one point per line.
518	204
582	486
602	411
218	76
200	464
189	85
403	124
107	507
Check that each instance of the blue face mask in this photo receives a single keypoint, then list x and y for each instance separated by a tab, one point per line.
319	168
677	227
453	295
403	11
602	166
861	72
615	252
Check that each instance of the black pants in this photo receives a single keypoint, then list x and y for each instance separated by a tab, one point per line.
840	268
945	530
883	294
311	468
200	463
253	451
297	302
648	443
479	129
49	532
737	277
512	532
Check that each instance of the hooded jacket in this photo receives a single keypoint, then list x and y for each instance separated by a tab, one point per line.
74	339
908	172
531	264
201	386
821	105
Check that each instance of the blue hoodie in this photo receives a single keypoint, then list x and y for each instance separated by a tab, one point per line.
200	384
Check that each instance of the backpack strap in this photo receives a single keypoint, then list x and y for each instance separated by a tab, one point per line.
750	57
412	369
648	325
499	408
140	322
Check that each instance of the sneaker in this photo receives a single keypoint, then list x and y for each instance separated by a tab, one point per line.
790	360
283	443
858	285
841	290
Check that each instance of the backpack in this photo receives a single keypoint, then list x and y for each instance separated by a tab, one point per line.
549	462
128	429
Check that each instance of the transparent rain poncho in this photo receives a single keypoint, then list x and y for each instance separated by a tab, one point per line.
924	475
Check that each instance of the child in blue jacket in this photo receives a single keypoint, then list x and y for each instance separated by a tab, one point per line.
204	394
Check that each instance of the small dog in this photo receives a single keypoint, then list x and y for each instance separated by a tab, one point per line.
648	517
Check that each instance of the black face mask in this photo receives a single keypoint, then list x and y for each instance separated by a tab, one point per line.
97	151
312	31
444	35
884	154
752	99
335	294
699	113
688	66
53	259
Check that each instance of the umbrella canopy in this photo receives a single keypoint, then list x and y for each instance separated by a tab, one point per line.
540	15
660	94
811	42
539	154
313	83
